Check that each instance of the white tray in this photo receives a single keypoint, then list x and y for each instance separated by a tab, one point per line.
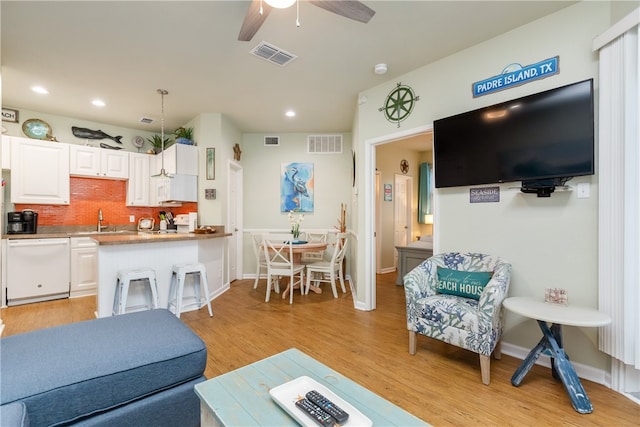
288	393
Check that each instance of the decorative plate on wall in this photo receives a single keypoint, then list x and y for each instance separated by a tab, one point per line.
36	129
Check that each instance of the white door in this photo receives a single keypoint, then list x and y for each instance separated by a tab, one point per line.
402	213
235	222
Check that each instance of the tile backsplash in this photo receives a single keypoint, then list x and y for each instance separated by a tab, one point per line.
88	195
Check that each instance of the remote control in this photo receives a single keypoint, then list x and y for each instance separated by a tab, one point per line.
315	413
328	406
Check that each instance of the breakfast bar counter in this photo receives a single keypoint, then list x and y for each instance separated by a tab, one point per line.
159	252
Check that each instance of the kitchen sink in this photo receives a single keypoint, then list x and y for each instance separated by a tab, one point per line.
91	233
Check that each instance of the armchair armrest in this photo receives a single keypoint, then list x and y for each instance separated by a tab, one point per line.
494	293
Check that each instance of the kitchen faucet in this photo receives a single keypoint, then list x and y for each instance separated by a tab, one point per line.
100	219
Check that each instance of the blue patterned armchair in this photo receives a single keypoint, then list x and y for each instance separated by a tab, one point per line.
473	324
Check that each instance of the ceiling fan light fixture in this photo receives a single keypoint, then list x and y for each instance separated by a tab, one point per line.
280	4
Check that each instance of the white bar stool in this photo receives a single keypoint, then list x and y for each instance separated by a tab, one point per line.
124	279
176	288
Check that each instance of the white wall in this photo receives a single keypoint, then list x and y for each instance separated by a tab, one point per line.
550	242
261	169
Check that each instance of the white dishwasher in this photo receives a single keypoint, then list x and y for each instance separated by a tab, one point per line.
37	270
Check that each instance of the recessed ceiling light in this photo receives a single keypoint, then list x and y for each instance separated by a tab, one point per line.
40	89
98	103
290	113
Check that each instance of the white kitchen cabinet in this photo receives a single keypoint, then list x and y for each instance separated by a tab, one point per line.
97	162
178	159
138	186
84	266
6	152
177	188
39	172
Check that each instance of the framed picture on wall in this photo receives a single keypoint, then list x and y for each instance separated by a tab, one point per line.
211	163
388	193
296	187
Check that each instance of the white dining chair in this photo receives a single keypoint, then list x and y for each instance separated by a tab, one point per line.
278	250
314	256
329	271
261	262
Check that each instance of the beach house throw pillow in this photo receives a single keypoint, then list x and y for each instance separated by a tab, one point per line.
468	284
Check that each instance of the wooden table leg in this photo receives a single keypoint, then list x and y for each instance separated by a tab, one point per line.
561	367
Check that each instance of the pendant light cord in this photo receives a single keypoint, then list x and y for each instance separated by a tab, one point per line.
162	93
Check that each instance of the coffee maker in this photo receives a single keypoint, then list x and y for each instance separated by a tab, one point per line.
25	222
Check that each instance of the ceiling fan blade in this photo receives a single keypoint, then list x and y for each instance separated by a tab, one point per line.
355	10
253	20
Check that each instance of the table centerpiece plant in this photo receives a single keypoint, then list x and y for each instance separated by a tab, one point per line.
295	221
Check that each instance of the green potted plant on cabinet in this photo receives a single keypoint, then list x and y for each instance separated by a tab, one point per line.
156	143
184	136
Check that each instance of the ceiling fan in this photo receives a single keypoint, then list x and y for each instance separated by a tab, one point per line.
259	10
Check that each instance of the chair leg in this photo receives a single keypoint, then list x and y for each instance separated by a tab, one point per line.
497	351
332	277
255	284
412	342
266	298
341	276
485	368
301	274
308	284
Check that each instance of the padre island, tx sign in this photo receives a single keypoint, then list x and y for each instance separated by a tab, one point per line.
516	75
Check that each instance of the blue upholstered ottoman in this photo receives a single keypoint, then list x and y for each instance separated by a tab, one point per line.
132	369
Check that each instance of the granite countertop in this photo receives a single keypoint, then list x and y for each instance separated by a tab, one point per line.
144	237
121	237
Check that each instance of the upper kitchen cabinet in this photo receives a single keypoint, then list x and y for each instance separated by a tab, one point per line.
139	180
97	162
178	159
39	172
6	152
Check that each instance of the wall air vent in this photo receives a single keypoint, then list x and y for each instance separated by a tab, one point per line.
272	141
324	144
146	120
273	54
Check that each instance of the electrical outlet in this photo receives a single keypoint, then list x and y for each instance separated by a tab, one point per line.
132	218
584	190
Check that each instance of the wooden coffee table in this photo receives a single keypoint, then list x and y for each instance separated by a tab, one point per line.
241	397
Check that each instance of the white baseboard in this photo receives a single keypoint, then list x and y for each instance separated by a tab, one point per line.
584	371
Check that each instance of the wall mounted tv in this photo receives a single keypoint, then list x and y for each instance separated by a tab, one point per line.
542	139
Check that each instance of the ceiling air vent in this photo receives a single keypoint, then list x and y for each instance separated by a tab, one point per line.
146	120
273	54
324	144
271	140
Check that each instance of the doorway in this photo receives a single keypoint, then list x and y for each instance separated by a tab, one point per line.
371	204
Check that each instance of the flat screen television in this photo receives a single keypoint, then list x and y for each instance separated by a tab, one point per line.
542	139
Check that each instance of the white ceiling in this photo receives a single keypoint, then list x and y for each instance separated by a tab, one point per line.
123	51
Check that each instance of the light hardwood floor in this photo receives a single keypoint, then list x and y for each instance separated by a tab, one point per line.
440	384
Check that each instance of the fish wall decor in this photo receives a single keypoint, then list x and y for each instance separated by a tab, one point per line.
93	134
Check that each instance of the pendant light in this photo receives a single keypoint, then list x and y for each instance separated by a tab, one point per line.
163	172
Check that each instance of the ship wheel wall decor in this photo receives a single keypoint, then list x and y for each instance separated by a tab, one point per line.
399	103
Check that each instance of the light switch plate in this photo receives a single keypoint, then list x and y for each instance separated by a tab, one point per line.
132	218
